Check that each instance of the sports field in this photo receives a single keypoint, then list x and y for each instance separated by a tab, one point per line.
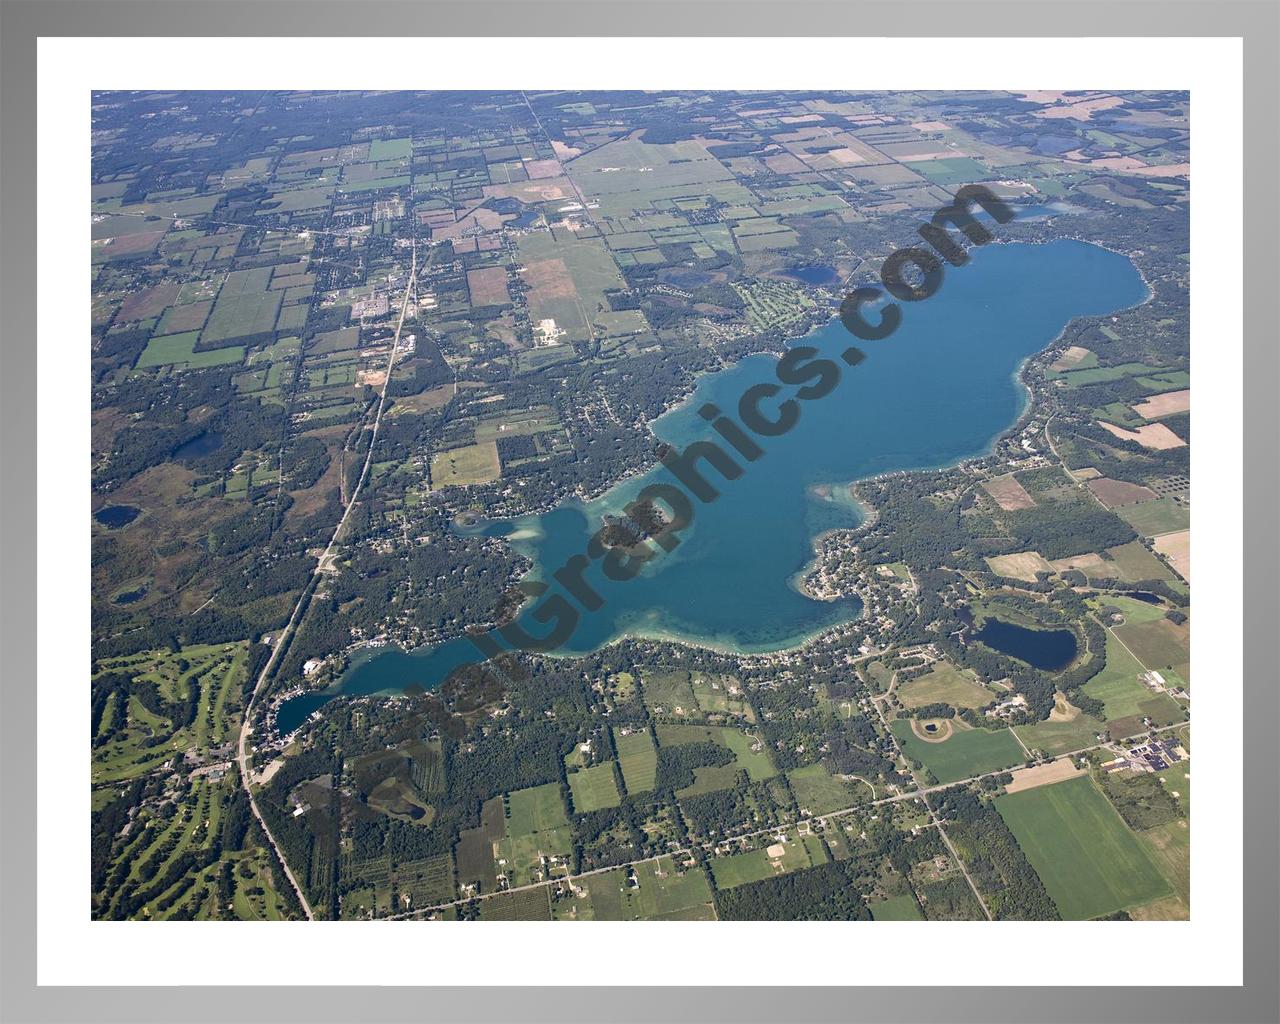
966	753
1089	861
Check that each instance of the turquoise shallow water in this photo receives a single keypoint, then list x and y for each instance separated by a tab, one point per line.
942	388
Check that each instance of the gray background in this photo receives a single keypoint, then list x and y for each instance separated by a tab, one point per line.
1258	22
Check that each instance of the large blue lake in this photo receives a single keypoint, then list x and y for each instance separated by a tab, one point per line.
941	389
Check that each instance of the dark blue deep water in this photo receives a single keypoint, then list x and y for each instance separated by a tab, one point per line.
941	389
116	516
204	444
1045	649
814	274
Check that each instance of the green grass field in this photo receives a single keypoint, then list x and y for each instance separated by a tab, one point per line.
177	350
1152	518
1132	562
146	739
1123	693
896	908
819	792
520	856
755	762
665	691
1170	848
1089	861
1159	645
660	894
945	684
1101	374
535	809
1059	737
1133	610
238	316
713	696
638	759
1177	780
463	467
966	753
594	788
955	170
741	868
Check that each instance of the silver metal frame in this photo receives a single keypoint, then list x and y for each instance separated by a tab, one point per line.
21	23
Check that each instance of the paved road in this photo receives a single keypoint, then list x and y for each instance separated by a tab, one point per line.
299	610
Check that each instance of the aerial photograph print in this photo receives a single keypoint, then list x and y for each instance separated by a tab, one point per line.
640	506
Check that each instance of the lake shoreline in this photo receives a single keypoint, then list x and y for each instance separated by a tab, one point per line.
1026	402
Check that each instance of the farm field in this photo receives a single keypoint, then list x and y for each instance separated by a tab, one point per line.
1125	698
1159	645
658	891
1152	518
638	759
464	467
535	809
1135	563
1120	493
1067	728
967	752
1177	548
527	905
1153	435
1008	493
897	908
1090	863
179	350
775	859
474	850
817	791
944	684
1022	565
1168	404
593	788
